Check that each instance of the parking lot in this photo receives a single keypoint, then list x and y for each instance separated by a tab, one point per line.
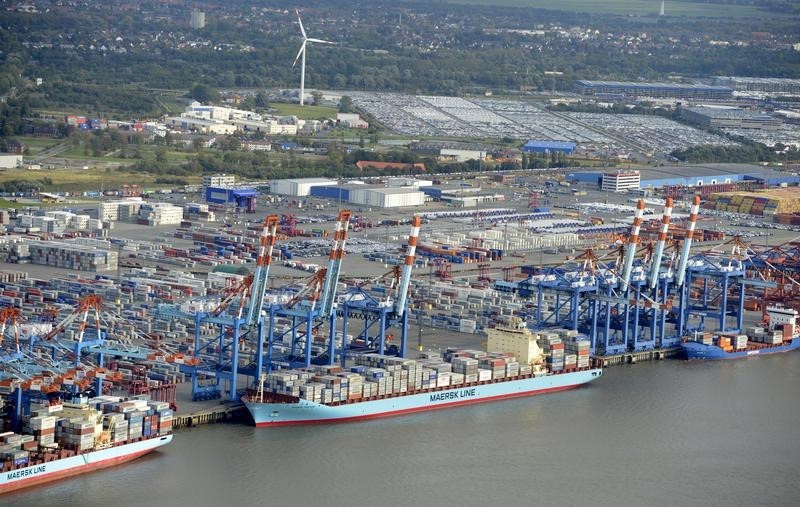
436	116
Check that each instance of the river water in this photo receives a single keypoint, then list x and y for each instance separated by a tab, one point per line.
670	433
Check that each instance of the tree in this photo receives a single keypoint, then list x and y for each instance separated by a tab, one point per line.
346	104
204	93
261	100
161	154
316	97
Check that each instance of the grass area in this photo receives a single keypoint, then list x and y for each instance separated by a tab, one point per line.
89	179
5	204
147	151
633	7
37	144
307	112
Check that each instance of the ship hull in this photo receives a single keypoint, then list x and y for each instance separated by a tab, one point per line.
699	351
308	412
75	465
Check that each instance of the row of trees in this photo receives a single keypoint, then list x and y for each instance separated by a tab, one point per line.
746	151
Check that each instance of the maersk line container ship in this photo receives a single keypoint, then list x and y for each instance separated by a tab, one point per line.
60	441
381	386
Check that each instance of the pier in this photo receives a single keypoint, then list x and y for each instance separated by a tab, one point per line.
635	357
220	414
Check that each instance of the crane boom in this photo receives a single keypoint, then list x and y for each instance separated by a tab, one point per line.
335	263
259	284
687	243
405	278
662	238
632	242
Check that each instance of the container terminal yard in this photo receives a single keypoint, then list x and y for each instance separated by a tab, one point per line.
190	317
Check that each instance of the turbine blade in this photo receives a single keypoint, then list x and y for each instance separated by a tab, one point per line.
300	21
299	53
320	41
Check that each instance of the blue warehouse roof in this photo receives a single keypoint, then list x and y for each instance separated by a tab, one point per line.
552	145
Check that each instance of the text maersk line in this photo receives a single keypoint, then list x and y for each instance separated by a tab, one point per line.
452	395
18	474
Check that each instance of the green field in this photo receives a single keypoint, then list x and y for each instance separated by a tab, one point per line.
634	7
37	144
89	179
307	112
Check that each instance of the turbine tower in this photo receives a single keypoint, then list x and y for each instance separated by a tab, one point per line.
301	55
661	12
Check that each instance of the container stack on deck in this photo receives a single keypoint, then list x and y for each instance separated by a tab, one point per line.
379	375
81	427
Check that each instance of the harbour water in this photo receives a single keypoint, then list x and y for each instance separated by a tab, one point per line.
666	433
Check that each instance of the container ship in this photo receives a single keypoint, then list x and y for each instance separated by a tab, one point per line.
779	334
380	385
63	440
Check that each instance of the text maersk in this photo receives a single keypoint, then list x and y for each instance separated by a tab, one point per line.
18	474
453	395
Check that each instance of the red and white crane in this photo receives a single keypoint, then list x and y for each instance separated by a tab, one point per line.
687	243
662	239
405	278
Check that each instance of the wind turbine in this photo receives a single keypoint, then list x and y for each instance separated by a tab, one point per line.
302	53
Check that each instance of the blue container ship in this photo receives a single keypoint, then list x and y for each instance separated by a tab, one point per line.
778	334
382	386
281	411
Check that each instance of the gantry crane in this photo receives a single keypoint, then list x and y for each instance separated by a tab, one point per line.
381	313
307	311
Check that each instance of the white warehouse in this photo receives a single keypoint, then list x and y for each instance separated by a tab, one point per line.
299	187
387	197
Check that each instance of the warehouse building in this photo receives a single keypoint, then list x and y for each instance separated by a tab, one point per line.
760	84
10	161
299	187
460	155
655	90
534	146
695	176
200	125
339	193
407	182
381	197
730	117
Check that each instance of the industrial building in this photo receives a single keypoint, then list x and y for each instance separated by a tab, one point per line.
621	181
351	121
730	117
760	84
244	198
658	90
219	180
339	193
387	197
407	182
10	161
456	155
694	176
462	197
534	146
197	19
299	187
200	125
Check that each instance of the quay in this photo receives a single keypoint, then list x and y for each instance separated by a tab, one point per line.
635	357
230	413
